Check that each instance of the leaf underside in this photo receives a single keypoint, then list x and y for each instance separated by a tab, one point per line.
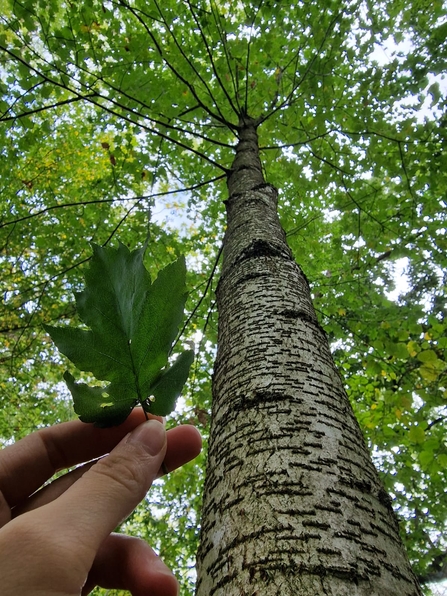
133	324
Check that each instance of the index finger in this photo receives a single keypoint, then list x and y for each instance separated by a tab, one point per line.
183	444
30	462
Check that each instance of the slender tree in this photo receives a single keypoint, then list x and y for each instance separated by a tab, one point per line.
194	93
293	504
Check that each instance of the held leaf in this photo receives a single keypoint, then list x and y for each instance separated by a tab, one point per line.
100	405
133	323
168	387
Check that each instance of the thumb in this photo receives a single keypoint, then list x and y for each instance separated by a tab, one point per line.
112	488
107	493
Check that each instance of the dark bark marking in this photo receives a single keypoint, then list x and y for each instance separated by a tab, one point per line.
328	508
362	485
349	535
243	167
302	315
327	461
385	499
226	579
290	313
303	466
234	502
299	314
262	248
301	450
249	277
316	524
264	185
292	513
262	398
288	492
329	551
314	445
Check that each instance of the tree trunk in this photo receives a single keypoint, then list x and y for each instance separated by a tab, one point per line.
293	504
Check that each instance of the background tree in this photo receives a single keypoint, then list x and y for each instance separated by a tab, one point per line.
108	107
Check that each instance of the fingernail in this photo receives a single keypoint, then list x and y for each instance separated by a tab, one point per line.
151	435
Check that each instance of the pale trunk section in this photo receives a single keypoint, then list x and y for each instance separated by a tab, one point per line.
293	504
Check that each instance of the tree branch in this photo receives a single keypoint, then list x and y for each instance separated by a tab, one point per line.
115	200
210	56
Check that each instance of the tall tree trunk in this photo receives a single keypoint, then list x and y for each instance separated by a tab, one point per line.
293	504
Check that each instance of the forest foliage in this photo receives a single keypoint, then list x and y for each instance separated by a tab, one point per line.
118	120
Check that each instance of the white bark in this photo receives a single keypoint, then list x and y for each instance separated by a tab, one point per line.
293	504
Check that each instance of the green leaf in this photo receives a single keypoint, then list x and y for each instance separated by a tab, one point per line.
429	373
133	325
168	387
96	404
435	93
427	356
416	434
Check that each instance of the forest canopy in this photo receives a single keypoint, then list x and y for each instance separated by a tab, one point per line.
118	121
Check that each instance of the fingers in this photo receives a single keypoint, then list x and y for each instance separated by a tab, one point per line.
107	493
183	444
68	523
68	532
126	563
30	462
52	491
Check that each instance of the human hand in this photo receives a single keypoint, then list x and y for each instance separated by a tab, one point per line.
59	541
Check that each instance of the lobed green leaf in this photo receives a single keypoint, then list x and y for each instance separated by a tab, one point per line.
133	324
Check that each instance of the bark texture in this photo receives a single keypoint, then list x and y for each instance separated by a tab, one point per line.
293	504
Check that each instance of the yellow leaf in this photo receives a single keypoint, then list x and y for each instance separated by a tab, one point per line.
341	312
412	348
429	373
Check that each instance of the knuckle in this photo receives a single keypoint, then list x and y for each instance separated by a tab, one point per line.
128	475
